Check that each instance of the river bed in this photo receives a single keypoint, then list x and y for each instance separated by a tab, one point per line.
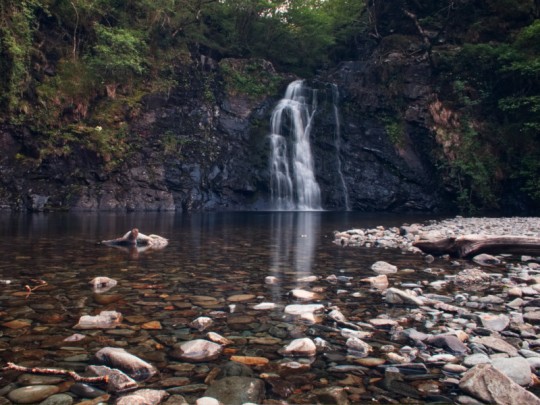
221	266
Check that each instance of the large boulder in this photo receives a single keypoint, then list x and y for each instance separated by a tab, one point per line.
488	384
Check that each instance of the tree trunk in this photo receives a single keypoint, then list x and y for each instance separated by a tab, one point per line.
471	245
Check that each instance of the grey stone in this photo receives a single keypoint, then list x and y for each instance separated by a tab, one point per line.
331	396
516	368
475	359
86	390
486	260
495	322
488	384
118	381
396	296
143	397
381	267
32	393
133	366
497	344
237	390
58	399
197	350
447	342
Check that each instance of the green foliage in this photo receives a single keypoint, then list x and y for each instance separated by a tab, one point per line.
118	55
473	169
253	77
17	26
394	128
498	83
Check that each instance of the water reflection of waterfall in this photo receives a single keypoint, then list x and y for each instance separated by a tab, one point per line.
337	143
293	242
293	184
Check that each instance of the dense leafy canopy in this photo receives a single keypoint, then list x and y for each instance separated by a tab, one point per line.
70	66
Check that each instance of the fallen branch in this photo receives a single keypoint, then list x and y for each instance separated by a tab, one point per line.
42	283
54	371
471	245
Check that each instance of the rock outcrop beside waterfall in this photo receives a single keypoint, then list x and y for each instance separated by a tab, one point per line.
201	148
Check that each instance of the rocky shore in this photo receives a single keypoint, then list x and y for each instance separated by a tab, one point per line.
441	330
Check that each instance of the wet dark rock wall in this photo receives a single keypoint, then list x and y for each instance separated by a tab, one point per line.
203	148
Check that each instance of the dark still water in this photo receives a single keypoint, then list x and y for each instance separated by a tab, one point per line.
214	266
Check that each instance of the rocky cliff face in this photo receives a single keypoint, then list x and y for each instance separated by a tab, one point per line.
204	146
386	147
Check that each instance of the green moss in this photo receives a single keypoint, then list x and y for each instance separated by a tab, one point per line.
394	128
253	77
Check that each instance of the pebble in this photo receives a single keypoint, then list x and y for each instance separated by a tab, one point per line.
303	347
383	268
198	350
32	394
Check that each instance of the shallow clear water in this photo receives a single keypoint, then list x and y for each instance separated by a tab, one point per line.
212	254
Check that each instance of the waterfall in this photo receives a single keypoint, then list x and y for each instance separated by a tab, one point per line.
293	184
337	143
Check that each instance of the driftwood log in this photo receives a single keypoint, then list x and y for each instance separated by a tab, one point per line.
471	245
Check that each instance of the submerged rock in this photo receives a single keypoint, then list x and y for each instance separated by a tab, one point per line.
135	367
201	323
105	320
396	296
381	267
198	350
102	284
117	381
32	394
300	347
143	397
237	390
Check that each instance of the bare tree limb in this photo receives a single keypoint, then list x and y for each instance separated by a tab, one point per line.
54	371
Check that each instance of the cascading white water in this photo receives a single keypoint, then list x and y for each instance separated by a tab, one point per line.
337	143
293	184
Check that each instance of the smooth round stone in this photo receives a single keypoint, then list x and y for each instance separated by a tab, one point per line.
370	361
304	295
199	350
58	399
240	297
240	319
454	368
106	299
382	323
86	390
264	306
34	379
301	347
381	267
270	280
207	401
475	359
31	394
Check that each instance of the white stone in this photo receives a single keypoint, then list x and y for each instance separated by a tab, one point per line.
264	306
300	347
201	323
105	320
199	350
381	267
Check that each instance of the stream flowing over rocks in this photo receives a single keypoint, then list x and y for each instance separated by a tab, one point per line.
441	330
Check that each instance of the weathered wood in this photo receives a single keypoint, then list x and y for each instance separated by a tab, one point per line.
471	245
55	371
